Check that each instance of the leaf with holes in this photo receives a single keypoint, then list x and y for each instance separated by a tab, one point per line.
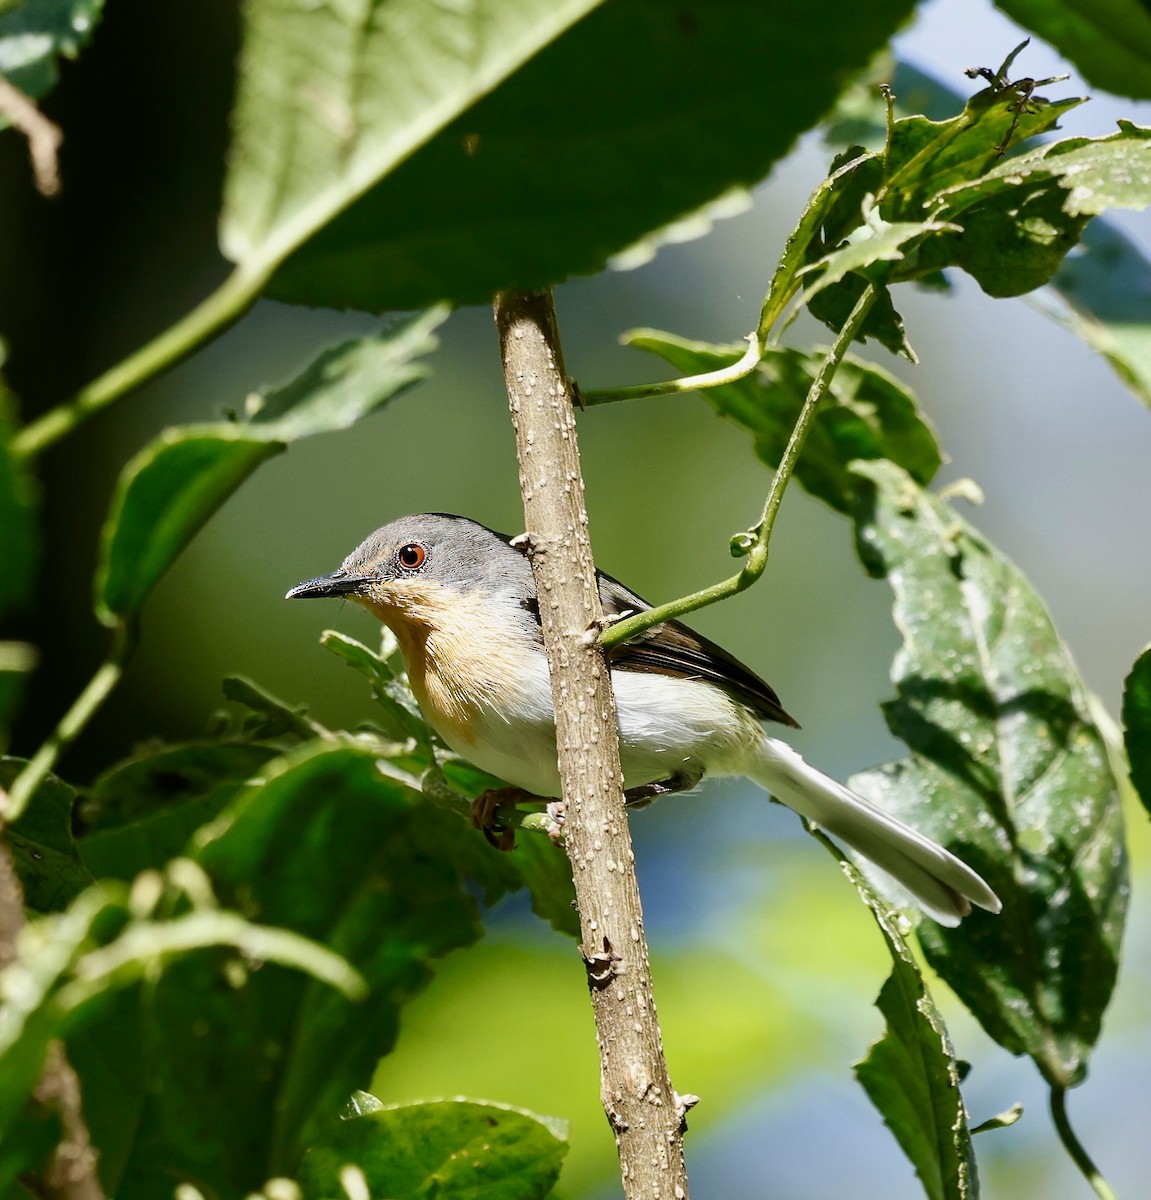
1007	769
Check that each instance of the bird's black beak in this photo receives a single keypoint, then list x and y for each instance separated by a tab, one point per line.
338	583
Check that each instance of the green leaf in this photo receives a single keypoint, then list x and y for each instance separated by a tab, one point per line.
1109	41
869	414
68	963
348	382
35	33
911	1073
171	488
270	719
142	813
1105	291
401	716
164	497
391	157
1007	769
450	1149
1137	725
43	851
327	846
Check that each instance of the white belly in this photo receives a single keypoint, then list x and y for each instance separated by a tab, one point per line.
668	726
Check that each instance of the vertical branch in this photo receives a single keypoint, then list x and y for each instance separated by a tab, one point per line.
646	1115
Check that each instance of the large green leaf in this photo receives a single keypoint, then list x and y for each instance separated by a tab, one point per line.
1137	725
171	488
532	174
1109	41
1007	768
911	1073
35	33
68	964
451	1149
326	845
869	414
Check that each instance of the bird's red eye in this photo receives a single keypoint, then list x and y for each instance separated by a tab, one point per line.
411	557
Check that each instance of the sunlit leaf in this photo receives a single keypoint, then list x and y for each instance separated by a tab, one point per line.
1007	769
387	159
911	1073
458	1149
868	414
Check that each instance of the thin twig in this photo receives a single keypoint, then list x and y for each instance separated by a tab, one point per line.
1074	1147
754	543
84	707
646	1115
44	136
222	308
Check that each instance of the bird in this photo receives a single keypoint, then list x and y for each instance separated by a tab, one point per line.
461	600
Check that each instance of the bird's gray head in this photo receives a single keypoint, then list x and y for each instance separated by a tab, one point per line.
418	560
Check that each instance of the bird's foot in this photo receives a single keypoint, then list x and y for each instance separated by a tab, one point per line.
486	815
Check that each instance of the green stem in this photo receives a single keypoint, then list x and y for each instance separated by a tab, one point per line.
689	383
72	723
222	308
1074	1147
757	539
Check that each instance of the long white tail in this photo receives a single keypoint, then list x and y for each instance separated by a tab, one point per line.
941	885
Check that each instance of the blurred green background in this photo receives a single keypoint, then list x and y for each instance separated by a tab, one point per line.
766	965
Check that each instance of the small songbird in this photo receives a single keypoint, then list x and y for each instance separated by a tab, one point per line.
461	600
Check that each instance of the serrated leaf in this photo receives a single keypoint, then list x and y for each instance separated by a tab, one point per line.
1109	41
1022	217
1007	769
40	841
869	414
1137	725
452	1149
35	33
336	167
172	487
911	1073
1102	289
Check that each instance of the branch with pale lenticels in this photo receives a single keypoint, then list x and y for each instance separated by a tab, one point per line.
646	1115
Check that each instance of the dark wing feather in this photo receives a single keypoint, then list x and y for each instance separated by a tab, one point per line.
674	649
